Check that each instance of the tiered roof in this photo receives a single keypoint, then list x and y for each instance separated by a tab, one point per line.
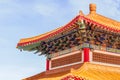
88	71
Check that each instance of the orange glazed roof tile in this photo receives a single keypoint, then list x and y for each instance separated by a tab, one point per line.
101	21
110	23
93	17
88	71
104	20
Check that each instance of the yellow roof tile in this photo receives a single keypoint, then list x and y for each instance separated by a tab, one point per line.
113	24
104	21
88	71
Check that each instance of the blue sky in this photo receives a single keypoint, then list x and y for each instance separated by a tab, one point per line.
27	18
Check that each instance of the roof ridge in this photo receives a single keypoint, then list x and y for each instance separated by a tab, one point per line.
104	17
103	20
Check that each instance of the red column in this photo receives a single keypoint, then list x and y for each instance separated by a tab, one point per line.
47	64
86	54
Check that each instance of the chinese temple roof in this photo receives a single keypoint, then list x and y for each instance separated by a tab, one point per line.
94	18
87	71
44	36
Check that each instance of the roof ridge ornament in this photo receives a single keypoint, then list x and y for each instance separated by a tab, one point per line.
81	13
92	8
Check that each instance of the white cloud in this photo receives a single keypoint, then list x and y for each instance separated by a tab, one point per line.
59	14
45	9
8	8
5	1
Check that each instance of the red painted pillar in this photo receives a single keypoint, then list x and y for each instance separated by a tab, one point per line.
86	54
47	64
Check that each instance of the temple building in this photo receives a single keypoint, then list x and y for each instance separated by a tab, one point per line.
86	48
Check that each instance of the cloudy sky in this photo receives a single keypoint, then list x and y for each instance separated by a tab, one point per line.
27	18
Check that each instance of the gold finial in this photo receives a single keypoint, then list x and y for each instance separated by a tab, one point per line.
92	8
81	13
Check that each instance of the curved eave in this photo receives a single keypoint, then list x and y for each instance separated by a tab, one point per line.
112	27
29	47
32	40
